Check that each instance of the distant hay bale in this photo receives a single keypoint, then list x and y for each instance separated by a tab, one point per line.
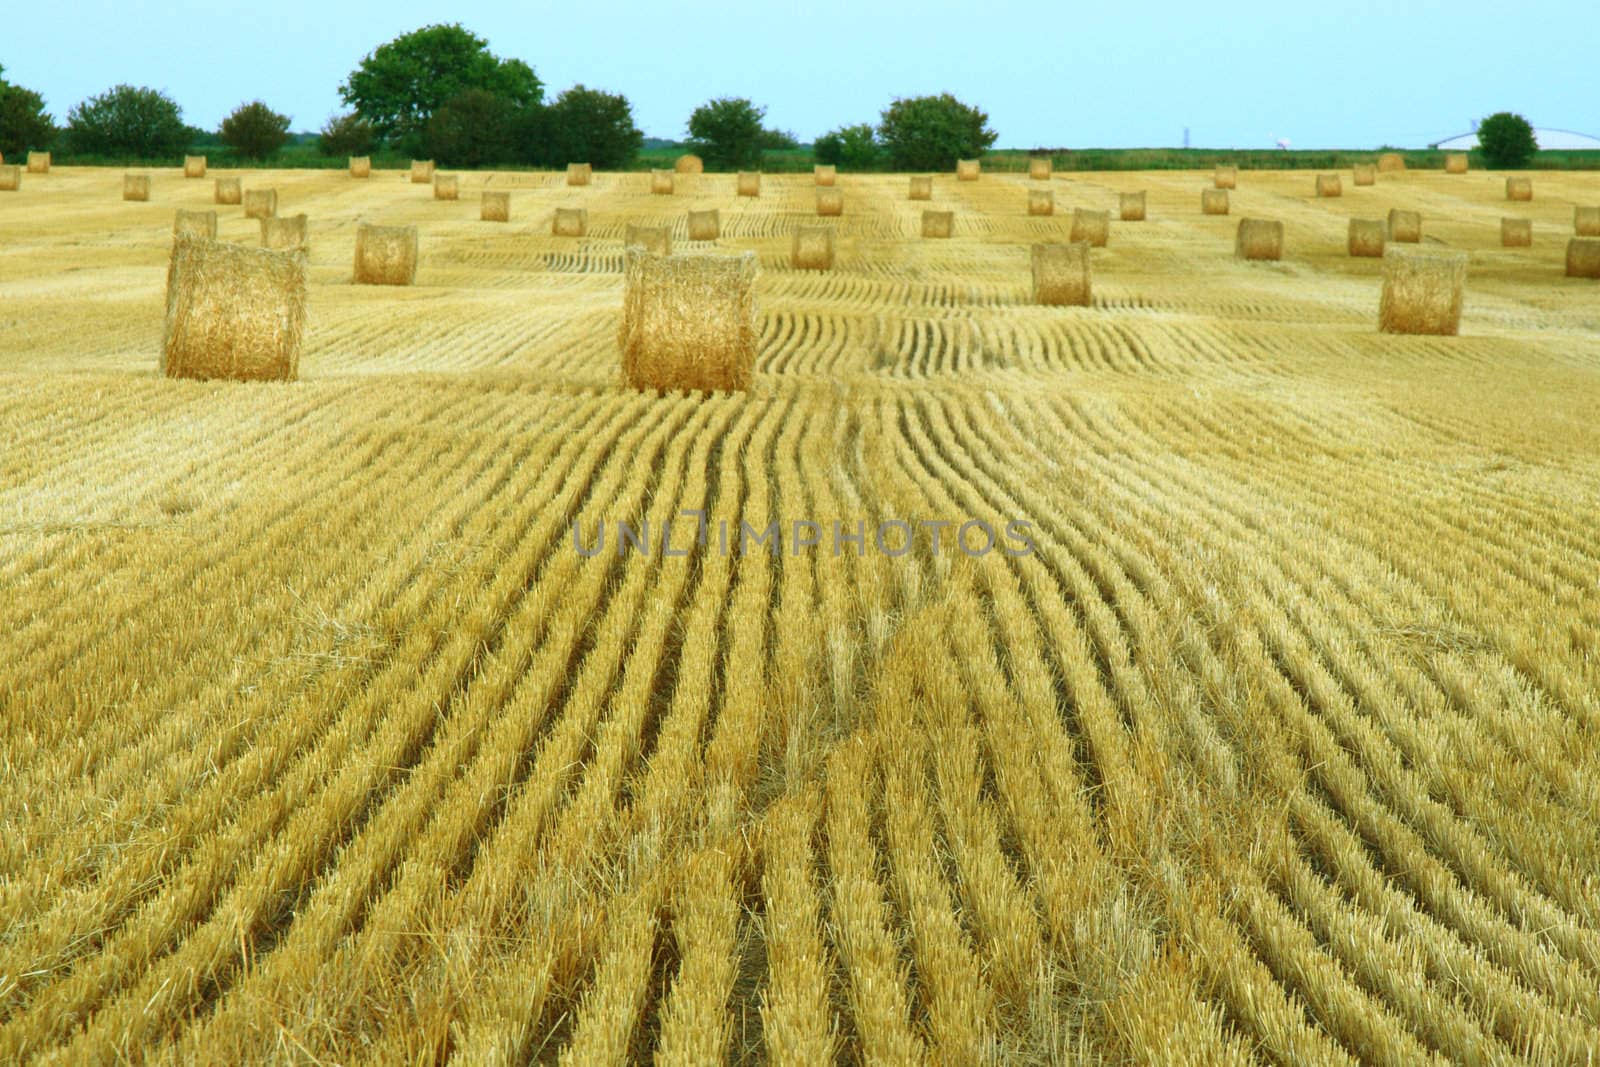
1583	257
1259	239
1040	168
824	174
1061	274
195	224
1405	227
657	239
812	248
1391	163
921	187
1455	163
967	170
661	182
386	255
1423	291
1367	237
446	187
1519	188
571	222
1366	174
38	162
1516	233
284	231
421	171
1213	201
260	203
495	207
749	183
1093	227
136	187
1586	221
580	173
194	166
705	225
938	223
1329	185
689	165
688	322
830	202
228	191
10	178
1132	207
360	166
233	312
1226	177
1041	202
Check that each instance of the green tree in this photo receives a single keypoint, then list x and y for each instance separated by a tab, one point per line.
346	135
399	85
727	132
254	130
474	128
1507	140
587	126
932	132
24	123
128	122
855	147
778	140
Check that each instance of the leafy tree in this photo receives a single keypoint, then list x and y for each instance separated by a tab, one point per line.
24	123
129	122
254	130
1507	140
399	85
778	140
588	126
727	132
346	135
932	132
474	128
851	146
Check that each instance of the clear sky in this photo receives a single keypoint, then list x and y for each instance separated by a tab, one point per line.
1240	73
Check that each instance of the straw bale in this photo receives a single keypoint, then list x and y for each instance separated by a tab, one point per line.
195	223
1040	168
812	248
705	225
38	162
1061	274
1213	201
688	322
446	187
1226	177
1516	233
1132	206
1091	226
260	203
421	171
690	164
938	223
360	166
571	222
10	178
661	182
580	173
830	202
1405	227
1586	221
1583	257
194	166
1329	185
1366	174
495	206
1519	188
136	187
1391	163
749	183
967	170
1259	239
1367	237
228	191
233	312
1422	291
1455	163
657	239
1041	202
386	255
824	174
921	187
285	231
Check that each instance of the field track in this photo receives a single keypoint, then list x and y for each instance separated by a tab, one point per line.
320	741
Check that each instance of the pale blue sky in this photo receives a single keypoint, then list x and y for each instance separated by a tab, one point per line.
1238	73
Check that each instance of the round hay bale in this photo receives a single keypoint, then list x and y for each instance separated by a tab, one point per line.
10	178
1405	227
1366	174
136	187
1091	227
967	170
285	231
812	248
194	166
824	174
421	171
1061	274
1131	207
705	225
1583	257
830	202
1367	237
38	162
233	312
1329	185
938	224
1226	177
195	224
228	191
1455	163
580	173
1423	290
1519	188
1213	201
749	183
688	322
1040	168
661	182
360	166
446	187
385	255
495	207
1516	233
657	239
1586	221
921	187
571	222
690	164
1391	163
1041	202
1259	239
260	203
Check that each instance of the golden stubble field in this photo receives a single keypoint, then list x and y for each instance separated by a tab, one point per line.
320	741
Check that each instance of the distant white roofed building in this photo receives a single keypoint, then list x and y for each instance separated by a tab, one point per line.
1557	140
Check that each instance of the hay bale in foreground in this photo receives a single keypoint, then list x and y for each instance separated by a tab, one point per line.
688	322
1061	274
228	191
446	187
1093	227
1520	188
360	166
195	224
921	187
1366	174
494	207
285	231
749	183
1213	201
657	239
421	171
1131	207
1367	237
571	222
260	203
1516	233
1041	202
705	225
1455	163
1586	221
10	178
1423	291
1583	257
812	248
233	312
38	162
1405	227
824	174
1391	163
938	224
661	182
967	170
136	187
194	166
830	202
1225	177
1329	185
690	164
1040	169
385	255
580	173
1259	239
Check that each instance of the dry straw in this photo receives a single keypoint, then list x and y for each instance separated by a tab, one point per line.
1329	185
749	183
705	225
1519	188
1041	202
1366	174
228	191
1093	227
921	187
1516	233
1422	291
1586	221
10	178
446	187
830	202
136	187
580	173
967	170
1455	163
1039	169
360	166
195	224
938	223
495	207
386	255
260	203
1213	201
38	162
1132	207
1259	239
661	182
1061	274
285	231
657	239
1405	227
1391	163
421	171
812	248
688	322
1367	237
1226	177
233	312
1583	257
570	222
825	174
194	166
689	165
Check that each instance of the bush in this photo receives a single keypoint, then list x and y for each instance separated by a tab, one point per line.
727	133
932	132
474	128
347	135
254	130
24	123
855	147
128	122
1507	140
587	126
